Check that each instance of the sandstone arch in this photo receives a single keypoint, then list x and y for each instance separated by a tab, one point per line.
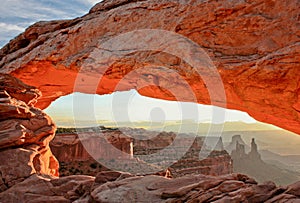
254	45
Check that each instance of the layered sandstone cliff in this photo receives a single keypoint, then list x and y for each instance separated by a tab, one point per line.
71	147
25	133
80	154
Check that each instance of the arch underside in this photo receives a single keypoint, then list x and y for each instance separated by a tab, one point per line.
255	51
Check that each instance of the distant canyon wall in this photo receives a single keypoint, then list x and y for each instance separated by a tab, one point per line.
71	147
70	152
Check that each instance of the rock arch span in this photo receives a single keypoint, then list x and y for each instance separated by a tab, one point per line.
254	46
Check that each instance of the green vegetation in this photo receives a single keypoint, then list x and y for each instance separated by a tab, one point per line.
93	165
80	130
65	130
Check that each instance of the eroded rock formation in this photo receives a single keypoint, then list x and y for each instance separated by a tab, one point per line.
38	189
197	188
124	187
73	152
71	147
28	172
184	156
252	165
253	44
25	133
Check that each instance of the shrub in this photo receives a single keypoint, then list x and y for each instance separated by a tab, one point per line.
93	165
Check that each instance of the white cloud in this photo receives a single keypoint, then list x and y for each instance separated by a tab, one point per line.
9	31
93	2
10	27
16	15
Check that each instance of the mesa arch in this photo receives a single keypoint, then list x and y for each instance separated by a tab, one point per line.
255	47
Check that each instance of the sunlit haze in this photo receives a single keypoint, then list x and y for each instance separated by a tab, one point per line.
131	106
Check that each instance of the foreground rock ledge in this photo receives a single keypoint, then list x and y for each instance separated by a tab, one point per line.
115	187
253	44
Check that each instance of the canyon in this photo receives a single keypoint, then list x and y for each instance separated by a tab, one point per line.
29	171
249	61
75	152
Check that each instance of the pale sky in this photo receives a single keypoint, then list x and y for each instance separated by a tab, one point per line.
130	106
16	15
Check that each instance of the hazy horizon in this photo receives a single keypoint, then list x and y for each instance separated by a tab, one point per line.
130	106
97	110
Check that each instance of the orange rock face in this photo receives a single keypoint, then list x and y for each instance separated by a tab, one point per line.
253	44
25	133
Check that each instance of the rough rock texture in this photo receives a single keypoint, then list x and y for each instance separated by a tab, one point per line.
109	176
253	44
25	133
216	164
39	189
74	158
110	187
71	147
196	188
